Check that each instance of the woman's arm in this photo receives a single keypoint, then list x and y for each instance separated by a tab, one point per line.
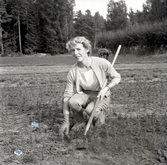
113	75
66	109
69	90
116	78
64	129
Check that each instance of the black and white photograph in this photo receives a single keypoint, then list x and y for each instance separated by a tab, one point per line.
83	82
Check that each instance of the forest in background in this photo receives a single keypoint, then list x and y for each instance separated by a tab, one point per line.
44	26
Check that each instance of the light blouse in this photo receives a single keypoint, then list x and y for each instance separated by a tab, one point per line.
89	81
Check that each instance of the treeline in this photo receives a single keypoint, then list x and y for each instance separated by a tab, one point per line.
30	26
140	32
44	26
142	39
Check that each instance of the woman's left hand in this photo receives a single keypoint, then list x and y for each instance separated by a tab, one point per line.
103	92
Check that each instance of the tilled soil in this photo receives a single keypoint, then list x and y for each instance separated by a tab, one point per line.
128	138
65	68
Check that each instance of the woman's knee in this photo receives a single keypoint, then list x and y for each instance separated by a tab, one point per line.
89	108
73	103
76	102
103	105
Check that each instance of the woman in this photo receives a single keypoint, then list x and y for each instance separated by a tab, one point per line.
84	84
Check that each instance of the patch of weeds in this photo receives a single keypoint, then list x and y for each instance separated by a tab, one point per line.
2	80
155	75
32	83
149	77
14	80
60	81
131	75
137	78
12	104
28	158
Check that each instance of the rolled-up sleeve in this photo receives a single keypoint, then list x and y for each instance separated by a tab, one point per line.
69	89
111	72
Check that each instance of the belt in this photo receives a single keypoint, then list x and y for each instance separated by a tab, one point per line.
92	93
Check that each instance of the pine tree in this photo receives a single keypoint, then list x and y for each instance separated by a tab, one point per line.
99	26
156	10
85	25
153	11
34	41
55	18
99	22
117	15
132	17
4	18
18	10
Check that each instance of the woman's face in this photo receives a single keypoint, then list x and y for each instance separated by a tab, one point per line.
79	52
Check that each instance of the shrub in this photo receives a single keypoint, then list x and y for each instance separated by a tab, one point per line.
142	39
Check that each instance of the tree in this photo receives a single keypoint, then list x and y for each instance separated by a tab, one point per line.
18	10
85	25
117	15
2	11
34	41
99	22
132	17
69	29
39	26
153	10
55	16
156	10
99	26
4	18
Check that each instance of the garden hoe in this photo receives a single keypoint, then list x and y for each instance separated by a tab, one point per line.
84	142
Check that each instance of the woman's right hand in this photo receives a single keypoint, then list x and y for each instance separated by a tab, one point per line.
103	92
64	129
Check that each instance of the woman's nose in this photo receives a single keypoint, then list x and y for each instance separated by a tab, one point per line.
75	52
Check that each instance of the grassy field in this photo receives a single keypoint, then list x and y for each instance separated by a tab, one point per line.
136	127
69	60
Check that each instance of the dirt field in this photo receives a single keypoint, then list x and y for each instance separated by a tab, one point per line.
65	68
136	127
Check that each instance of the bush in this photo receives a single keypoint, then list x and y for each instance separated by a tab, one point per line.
141	39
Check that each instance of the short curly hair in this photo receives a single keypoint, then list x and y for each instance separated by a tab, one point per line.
79	40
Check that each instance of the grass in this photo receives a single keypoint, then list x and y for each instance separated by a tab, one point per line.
137	116
135	130
69	60
36	61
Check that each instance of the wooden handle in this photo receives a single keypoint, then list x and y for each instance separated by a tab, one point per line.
116	55
93	112
98	99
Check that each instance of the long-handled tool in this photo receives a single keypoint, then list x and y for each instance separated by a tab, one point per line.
97	102
83	145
